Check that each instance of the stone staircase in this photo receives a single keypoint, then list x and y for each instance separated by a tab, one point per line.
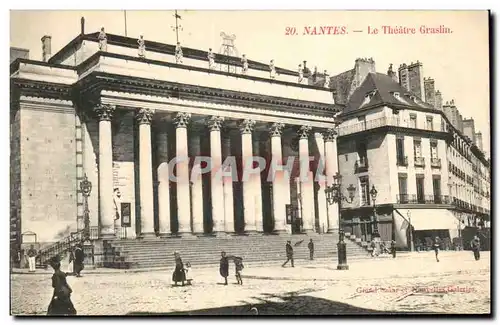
205	250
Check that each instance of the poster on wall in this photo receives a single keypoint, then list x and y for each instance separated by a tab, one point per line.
125	208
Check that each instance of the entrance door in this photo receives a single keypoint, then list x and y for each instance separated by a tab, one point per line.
366	230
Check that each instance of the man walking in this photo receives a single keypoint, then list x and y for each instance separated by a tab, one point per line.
289	253
476	247
32	258
311	249
393	248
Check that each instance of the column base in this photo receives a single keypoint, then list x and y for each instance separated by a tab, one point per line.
342	267
186	235
279	232
165	235
220	234
147	235
333	231
252	233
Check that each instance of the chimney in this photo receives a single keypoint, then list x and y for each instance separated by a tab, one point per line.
438	101
430	92
391	73
362	67
306	70
416	79
82	26
46	48
403	76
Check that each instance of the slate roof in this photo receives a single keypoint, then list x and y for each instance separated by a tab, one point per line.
383	87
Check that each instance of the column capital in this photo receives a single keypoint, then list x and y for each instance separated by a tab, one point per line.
246	126
304	131
330	135
215	123
181	120
144	116
276	129
104	111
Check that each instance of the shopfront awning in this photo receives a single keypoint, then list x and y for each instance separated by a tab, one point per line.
429	219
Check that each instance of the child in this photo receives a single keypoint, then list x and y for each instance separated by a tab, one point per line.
238	263
189	274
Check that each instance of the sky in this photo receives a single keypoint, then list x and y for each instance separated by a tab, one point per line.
458	62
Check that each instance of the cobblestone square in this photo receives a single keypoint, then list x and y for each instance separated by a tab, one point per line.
415	283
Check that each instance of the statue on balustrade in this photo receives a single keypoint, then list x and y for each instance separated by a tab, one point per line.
244	61
178	53
117	202
142	47
327	80
211	59
272	70
103	40
301	74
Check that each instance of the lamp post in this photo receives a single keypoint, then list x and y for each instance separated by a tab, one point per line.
86	188
334	195
411	231
373	193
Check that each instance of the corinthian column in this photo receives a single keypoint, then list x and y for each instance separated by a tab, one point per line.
163	179
322	210
257	185
306	180
216	187
106	208
196	184
331	163
144	117
228	187
246	128
279	188
183	195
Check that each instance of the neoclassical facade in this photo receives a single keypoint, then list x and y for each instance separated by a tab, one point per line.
135	125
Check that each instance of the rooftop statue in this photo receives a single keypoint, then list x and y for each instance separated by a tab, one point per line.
301	73
272	69
211	59
244	61
142	47
178	53
103	40
327	80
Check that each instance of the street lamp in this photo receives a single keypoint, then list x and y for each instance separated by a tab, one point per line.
86	188
373	193
334	195
410	231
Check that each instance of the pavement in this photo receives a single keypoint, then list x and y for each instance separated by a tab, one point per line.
413	283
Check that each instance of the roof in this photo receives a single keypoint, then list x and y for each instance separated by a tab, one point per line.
342	85
382	88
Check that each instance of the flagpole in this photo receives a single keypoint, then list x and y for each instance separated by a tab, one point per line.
125	15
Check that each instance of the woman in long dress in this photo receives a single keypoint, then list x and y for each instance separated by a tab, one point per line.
179	275
60	303
224	267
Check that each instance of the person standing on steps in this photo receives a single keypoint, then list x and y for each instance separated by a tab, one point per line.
436	247
311	249
476	247
178	275
393	248
224	266
289	253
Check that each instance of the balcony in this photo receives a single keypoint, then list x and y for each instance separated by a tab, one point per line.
435	162
427	199
361	166
402	161
419	162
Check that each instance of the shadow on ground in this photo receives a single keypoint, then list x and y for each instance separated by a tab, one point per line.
292	303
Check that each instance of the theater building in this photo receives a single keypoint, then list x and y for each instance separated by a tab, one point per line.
104	110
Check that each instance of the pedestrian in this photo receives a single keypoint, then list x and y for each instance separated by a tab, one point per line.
289	253
79	260
476	247
393	248
178	275
32	253
374	248
311	249
436	247
60	304
238	263
224	267
188	273
71	261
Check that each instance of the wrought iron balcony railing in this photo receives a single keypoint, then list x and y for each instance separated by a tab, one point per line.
420	161
436	162
424	199
361	166
402	161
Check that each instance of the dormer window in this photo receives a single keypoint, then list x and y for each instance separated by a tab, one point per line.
368	97
396	95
